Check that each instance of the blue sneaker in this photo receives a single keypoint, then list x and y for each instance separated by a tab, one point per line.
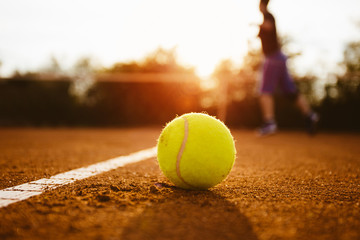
267	129
311	123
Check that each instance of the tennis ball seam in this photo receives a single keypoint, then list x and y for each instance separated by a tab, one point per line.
181	151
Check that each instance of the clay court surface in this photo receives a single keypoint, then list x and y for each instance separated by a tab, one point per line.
288	186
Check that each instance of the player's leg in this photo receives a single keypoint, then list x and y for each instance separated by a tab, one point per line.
311	117
303	105
289	88
269	79
267	107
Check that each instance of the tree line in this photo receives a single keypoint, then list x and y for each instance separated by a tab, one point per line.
78	98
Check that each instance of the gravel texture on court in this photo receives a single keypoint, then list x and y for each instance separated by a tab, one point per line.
288	186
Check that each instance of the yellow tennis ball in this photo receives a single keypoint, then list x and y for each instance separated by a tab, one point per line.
196	151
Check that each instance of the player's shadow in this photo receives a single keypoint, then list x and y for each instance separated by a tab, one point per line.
181	214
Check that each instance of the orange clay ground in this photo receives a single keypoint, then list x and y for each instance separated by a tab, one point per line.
288	186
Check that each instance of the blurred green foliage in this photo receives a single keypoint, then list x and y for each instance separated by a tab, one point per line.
55	97
159	61
341	103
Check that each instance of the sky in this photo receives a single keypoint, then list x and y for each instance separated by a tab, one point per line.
204	32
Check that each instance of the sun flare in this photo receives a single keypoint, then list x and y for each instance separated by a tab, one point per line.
202	31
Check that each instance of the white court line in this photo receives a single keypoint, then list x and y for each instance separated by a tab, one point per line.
24	191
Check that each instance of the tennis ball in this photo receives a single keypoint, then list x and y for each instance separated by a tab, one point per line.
196	151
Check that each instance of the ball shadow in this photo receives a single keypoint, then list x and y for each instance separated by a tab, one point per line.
184	214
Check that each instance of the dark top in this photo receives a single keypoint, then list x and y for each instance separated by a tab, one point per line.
269	40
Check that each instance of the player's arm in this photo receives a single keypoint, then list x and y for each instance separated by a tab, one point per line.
267	25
